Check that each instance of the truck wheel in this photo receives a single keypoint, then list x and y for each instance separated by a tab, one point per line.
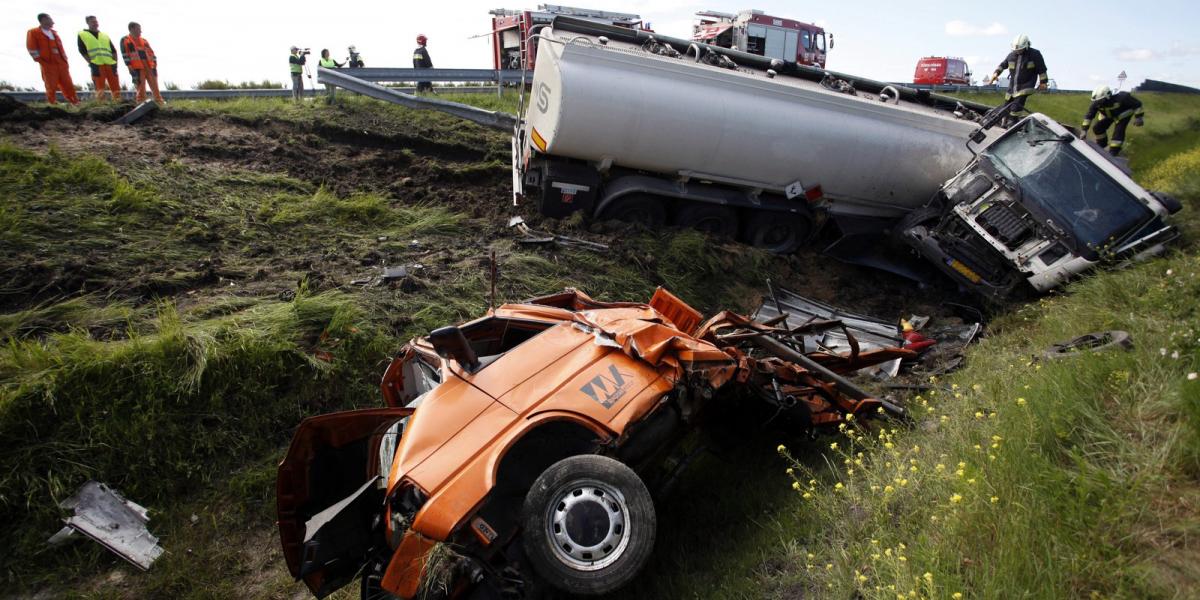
643	209
589	525
710	218
777	232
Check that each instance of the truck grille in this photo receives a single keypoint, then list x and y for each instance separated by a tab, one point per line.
1005	224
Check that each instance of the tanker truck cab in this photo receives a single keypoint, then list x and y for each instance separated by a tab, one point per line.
1037	206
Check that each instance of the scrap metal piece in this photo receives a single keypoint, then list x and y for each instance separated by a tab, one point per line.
1090	342
533	237
118	524
798	312
137	113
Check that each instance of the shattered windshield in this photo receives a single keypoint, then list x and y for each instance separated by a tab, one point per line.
1065	185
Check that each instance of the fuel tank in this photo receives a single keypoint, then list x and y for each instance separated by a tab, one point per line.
616	103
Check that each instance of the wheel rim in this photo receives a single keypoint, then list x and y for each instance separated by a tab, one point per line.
587	525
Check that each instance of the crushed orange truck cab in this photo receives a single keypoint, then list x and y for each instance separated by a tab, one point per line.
516	449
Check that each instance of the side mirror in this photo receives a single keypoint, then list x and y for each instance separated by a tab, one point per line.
449	342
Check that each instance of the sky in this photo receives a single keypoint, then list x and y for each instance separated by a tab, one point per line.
1084	43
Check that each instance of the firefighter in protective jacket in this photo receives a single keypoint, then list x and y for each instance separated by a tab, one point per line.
1027	74
1116	108
421	61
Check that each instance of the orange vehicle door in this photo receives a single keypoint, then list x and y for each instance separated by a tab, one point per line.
328	489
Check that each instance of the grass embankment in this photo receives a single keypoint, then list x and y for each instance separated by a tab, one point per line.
171	322
1021	476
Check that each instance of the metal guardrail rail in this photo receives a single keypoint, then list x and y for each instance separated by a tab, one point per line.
169	95
386	74
488	118
979	88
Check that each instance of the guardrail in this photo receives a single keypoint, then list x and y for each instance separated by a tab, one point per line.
978	88
390	75
488	118
169	95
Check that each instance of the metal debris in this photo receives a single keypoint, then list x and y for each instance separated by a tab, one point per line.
118	524
137	113
533	237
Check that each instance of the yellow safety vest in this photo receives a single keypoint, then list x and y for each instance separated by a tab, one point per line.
328	63
99	48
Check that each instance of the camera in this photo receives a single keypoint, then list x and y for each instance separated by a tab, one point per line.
307	51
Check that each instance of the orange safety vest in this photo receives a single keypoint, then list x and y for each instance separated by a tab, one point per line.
43	49
137	53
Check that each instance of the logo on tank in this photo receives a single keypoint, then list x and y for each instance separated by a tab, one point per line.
608	387
543	97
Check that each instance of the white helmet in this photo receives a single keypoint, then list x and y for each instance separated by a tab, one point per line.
351	48
1101	92
1021	42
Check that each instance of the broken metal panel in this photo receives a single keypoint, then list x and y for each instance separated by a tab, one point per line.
137	113
118	524
870	332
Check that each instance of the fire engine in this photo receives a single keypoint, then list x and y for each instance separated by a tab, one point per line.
757	33
939	70
512	46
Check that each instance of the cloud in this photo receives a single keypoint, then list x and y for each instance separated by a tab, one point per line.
1135	54
1181	50
958	28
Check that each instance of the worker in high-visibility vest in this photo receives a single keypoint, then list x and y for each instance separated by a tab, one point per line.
142	63
46	49
98	50
1117	108
328	63
296	62
421	61
1027	74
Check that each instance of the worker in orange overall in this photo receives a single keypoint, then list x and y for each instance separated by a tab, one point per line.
143	66
98	50
46	48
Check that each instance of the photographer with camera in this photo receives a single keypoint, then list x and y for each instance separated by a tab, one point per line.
296	62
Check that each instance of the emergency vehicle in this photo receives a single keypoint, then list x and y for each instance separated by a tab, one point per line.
757	33
512	48
940	70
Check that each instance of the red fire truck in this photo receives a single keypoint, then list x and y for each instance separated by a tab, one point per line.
754	32
512	48
941	70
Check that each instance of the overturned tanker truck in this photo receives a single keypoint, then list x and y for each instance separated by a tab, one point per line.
634	126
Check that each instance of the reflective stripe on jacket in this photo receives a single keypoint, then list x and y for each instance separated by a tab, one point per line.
42	48
1121	105
99	48
1026	69
137	53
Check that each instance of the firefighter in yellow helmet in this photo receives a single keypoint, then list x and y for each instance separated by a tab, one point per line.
1027	74
1117	108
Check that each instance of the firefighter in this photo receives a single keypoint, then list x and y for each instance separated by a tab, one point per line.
1117	108
98	50
356	60
1027	74
328	63
142	63
296	64
421	61
46	49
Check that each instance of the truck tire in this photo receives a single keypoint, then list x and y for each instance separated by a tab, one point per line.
712	219
589	525
644	209
777	232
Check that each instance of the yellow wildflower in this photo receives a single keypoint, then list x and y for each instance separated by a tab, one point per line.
833	446
995	499
956	498
1020	402
781	449
796	485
